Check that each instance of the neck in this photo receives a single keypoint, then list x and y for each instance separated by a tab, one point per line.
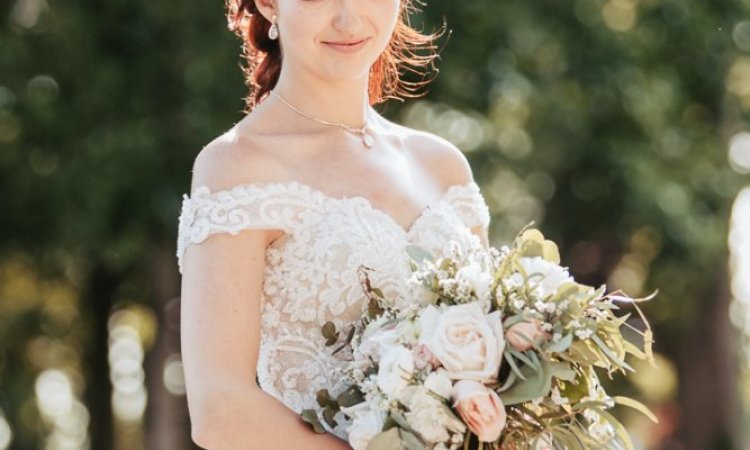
344	102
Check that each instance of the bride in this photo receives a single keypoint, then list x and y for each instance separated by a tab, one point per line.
289	202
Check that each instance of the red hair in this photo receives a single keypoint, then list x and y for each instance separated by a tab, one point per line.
263	55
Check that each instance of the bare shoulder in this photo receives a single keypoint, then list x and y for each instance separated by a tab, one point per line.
438	156
234	158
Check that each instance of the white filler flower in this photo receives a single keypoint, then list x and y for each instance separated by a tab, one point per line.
396	368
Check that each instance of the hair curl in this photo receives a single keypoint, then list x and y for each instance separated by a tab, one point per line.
263	55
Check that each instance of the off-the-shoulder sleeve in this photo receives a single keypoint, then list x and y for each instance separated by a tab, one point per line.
470	205
230	211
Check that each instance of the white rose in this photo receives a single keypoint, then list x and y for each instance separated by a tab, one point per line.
396	368
439	383
430	417
477	278
468	343
367	423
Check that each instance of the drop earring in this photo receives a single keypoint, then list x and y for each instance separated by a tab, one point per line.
273	32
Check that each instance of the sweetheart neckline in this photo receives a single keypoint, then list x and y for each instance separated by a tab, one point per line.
406	231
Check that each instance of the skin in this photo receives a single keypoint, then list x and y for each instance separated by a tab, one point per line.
222	277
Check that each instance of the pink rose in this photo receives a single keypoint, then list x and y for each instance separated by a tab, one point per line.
521	335
480	408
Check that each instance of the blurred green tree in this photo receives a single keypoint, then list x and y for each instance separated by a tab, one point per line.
605	121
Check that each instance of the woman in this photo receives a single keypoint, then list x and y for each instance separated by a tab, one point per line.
287	204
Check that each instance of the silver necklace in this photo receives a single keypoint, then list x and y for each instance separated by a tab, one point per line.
364	130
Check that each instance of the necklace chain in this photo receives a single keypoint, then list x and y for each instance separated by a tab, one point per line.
364	130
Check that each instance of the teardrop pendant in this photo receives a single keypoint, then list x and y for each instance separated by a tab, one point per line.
368	140
273	32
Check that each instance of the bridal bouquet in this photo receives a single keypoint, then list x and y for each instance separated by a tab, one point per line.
499	349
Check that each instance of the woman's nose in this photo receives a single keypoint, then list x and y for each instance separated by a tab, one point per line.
347	15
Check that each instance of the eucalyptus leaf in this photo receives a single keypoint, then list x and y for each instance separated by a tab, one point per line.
550	252
349	338
513	366
562	371
508	382
330	333
536	384
532	249
525	359
311	417
419	254
635	404
411	441
389	423
400	420
560	346
514	319
634	350
532	234
582	353
596	405
350	397
323	397
648	340
328	414
387	440
610	354
569	440
374	309
576	389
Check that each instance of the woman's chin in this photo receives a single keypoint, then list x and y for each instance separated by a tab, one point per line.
344	71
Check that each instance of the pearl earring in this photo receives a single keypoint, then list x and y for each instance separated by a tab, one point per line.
273	32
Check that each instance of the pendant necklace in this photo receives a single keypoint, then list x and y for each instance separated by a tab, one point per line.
364	130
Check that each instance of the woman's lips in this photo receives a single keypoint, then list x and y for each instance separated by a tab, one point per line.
347	48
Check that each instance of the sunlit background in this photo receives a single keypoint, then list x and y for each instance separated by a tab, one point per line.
619	126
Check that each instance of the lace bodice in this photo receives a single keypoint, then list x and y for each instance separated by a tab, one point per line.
311	270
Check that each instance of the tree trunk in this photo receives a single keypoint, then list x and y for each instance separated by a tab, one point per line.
98	394
708	383
167	421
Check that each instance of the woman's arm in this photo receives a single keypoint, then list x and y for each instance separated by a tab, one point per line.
220	329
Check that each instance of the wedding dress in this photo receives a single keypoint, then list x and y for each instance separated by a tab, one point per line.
311	275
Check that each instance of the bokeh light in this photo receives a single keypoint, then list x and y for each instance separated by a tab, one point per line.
58	402
739	152
6	433
129	395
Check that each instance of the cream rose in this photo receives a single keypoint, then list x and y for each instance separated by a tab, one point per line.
480	408
468	343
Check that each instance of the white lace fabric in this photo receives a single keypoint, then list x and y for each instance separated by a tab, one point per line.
311	276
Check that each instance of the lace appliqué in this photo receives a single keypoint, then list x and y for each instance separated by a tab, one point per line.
311	276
